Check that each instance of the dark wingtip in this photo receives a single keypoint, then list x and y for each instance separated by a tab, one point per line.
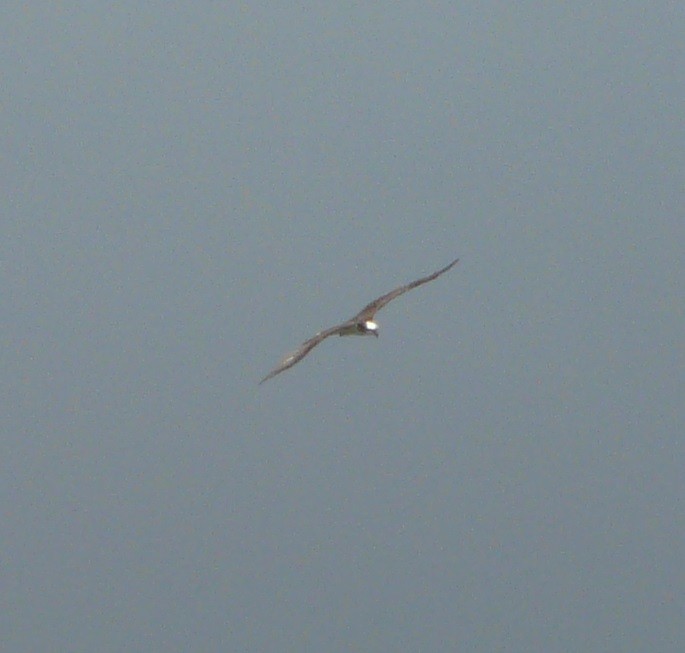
450	266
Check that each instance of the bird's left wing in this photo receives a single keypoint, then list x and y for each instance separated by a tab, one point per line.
303	350
373	307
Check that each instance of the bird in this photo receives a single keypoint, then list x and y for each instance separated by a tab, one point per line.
362	324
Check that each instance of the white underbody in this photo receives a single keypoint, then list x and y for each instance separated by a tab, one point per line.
353	330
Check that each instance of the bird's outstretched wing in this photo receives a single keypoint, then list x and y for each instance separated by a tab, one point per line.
373	307
303	350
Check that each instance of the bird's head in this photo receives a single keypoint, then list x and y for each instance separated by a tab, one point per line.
370	328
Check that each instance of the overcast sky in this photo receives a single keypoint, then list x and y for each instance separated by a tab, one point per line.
190	190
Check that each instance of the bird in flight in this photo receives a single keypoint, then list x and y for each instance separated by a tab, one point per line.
361	324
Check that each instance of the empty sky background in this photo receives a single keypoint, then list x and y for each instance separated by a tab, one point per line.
189	190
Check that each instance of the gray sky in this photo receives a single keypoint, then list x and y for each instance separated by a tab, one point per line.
191	190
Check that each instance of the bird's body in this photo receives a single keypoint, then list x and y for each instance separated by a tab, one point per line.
367	328
361	324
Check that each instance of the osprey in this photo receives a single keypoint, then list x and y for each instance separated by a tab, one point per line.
361	324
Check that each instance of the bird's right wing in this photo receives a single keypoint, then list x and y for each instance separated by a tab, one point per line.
296	356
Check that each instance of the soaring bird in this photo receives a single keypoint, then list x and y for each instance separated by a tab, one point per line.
361	324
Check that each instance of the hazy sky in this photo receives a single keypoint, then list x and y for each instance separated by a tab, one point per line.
190	190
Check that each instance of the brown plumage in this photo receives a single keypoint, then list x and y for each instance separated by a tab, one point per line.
361	324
